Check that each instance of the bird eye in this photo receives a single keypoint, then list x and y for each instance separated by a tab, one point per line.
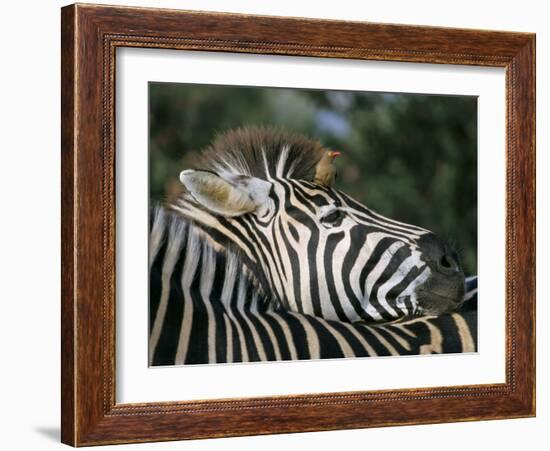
333	217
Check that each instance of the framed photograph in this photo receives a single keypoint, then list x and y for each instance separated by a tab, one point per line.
279	225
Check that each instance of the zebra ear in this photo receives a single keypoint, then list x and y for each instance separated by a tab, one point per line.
226	194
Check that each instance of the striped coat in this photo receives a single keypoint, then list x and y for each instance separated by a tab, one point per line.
205	309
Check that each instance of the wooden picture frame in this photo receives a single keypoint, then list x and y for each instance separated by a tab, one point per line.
90	36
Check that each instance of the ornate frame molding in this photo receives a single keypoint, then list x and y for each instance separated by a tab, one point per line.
90	36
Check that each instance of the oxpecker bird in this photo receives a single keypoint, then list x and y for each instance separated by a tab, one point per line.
325	171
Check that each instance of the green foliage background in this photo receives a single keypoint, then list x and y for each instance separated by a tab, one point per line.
410	157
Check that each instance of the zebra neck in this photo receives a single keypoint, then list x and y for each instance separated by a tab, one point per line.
186	256
231	237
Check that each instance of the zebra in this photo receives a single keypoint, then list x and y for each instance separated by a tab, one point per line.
309	248
205	310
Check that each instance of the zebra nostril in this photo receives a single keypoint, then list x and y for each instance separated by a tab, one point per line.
447	262
439	255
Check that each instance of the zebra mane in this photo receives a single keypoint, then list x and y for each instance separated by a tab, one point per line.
263	152
182	237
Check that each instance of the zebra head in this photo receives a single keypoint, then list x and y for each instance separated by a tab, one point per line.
312	248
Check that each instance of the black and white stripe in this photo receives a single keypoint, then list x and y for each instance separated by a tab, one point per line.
311	249
361	268
205	307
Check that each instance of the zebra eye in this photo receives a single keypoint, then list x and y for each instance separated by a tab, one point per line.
333	217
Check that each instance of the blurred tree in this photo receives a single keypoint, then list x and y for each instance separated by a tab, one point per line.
410	157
